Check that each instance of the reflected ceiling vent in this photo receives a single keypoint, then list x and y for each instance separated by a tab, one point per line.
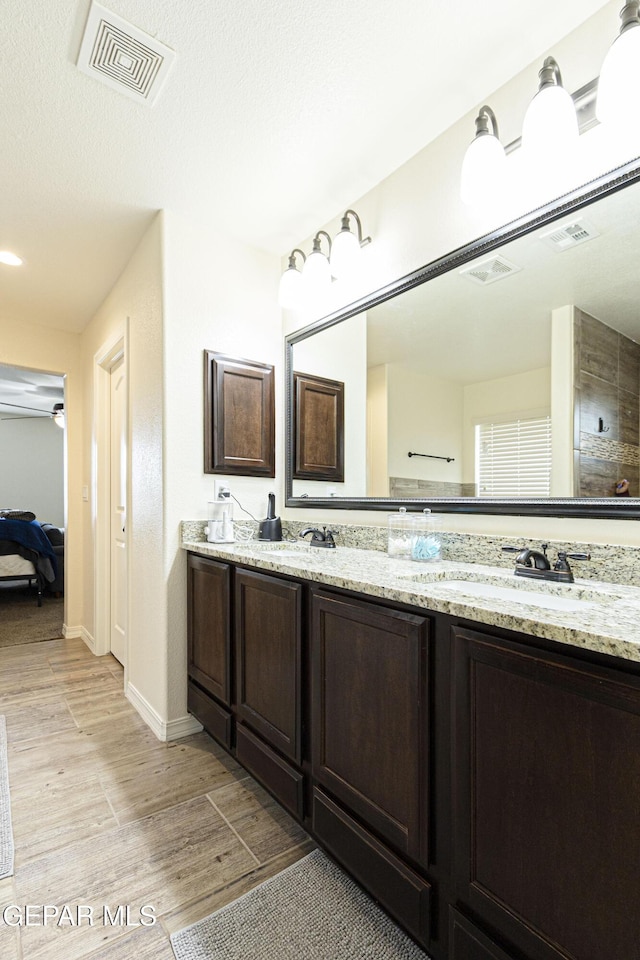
123	57
569	234
495	268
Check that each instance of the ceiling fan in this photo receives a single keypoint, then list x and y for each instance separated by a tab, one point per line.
57	414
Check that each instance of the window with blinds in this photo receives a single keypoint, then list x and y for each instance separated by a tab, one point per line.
513	459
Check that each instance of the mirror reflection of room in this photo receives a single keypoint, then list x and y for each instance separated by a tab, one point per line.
515	375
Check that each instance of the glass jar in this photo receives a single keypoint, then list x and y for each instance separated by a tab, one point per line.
400	534
426	542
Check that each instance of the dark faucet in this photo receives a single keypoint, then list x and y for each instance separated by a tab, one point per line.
534	564
320	538
534	558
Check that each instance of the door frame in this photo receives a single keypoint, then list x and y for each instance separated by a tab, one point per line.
105	359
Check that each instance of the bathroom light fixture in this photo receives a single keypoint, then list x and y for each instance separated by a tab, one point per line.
10	259
316	271
618	84
550	126
484	161
58	414
313	281
290	290
347	247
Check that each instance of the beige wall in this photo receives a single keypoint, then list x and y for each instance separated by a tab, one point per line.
32	475
56	351
425	416
219	295
135	302
415	216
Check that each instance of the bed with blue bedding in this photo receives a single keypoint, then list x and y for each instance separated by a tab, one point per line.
26	552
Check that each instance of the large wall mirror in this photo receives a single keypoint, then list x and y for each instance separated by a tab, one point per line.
502	378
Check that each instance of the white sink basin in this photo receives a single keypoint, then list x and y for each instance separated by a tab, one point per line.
548	601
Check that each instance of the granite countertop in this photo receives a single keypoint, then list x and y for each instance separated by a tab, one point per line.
591	614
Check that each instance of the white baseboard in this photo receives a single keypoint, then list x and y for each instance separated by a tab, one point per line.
70	633
88	639
163	729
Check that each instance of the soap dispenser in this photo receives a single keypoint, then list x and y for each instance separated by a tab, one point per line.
271	527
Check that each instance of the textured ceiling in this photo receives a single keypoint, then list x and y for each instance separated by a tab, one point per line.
276	115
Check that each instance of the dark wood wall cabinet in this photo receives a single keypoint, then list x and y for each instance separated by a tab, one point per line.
480	784
318	428
239	416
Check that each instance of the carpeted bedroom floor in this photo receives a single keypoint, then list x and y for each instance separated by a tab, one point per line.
22	621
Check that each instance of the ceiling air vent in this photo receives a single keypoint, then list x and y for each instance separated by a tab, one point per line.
496	268
569	234
122	56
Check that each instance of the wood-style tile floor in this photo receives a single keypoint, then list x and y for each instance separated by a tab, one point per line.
104	815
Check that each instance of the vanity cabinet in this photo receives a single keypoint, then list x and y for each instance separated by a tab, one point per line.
209	645
268	651
546	786
245	670
370	716
480	784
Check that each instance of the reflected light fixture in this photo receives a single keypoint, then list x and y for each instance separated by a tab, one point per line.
483	165
316	271
550	126
346	249
290	290
58	414
618	83
10	259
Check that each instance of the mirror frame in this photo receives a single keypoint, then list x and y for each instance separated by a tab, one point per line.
609	508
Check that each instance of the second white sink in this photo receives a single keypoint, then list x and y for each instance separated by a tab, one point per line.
549	601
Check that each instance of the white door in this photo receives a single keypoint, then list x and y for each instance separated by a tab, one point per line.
118	457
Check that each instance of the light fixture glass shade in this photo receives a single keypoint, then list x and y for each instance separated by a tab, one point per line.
619	77
290	289
10	259
550	124
58	419
345	254
483	170
316	273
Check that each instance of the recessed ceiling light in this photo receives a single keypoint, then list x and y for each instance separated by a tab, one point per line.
10	258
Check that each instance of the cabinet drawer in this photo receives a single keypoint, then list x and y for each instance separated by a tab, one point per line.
404	894
467	942
285	783
217	721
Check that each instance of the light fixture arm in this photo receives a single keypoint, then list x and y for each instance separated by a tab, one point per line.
550	75
486	116
292	258
363	241
316	241
630	15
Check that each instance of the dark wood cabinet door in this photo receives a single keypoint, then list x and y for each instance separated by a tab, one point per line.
269	659
547	809
370	715
318	428
209	625
239	416
467	942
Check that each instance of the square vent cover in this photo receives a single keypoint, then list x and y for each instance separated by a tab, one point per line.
569	234
495	268
123	57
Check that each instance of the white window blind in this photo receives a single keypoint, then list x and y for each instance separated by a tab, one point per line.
513	459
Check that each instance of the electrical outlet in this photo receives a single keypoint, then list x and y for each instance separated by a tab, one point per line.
222	490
